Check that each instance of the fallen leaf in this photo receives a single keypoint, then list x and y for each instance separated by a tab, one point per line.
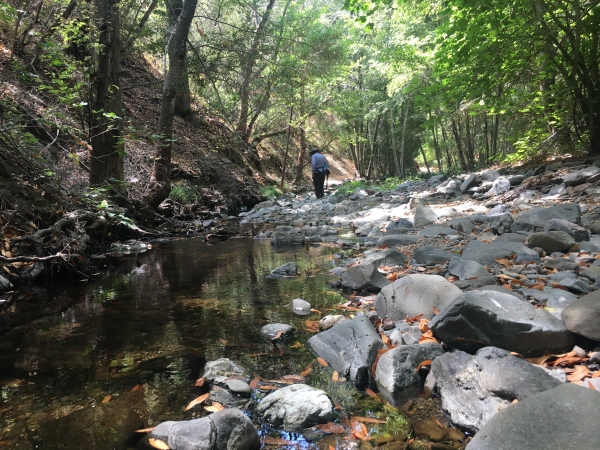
157	443
222	341
199	382
306	371
424	325
268	387
322	362
107	399
145	430
427	362
312	326
435	311
596	374
413	319
254	383
504	262
335	376
332	428
579	374
277	336
296	345
294	378
386	340
392	276
215	407
367	419
197	401
372	394
275	441
137	387
331	447
425	340
591	386
316	311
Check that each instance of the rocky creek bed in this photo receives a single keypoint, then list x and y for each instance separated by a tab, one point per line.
469	318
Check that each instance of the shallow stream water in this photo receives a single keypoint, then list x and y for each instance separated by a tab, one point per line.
148	326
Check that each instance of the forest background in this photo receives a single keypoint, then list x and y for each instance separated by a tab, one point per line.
151	99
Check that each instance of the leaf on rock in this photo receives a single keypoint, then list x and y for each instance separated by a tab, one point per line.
591	386
197	401
322	362
215	407
413	319
335	377
268	387
275	441
107	399
367	419
435	311
277	336
145	430
312	325
372	394
424	325
293	378
137	387
386	340
254	383
199	382
427	362
157	443
504	262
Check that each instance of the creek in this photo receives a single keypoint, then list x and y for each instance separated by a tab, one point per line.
149	324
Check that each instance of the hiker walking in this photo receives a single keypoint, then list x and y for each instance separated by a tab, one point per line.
319	171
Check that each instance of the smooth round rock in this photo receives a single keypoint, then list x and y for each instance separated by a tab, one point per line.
238	387
271	330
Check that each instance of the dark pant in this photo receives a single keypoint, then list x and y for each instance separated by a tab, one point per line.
318	182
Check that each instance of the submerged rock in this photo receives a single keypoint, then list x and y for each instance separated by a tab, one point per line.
296	406
286	270
221	369
272	330
474	388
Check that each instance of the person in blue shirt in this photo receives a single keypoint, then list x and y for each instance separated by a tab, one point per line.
319	170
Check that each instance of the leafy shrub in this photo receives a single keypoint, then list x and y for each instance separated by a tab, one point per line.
184	193
271	192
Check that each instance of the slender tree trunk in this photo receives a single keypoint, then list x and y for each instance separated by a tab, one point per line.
393	139
248	62
287	147
183	99
403	140
459	149
424	157
161	172
107	155
470	156
301	155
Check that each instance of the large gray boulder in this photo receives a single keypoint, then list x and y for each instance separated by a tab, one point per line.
466	269
575	231
389	257
424	216
286	270
565	417
296	406
536	218
582	316
487	318
581	176
350	348
396	373
464	187
501	186
415	294
551	241
228	429
428	253
364	277
488	253
490	175
397	239
474	388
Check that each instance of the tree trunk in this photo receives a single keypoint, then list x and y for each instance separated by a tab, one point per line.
248	62
301	155
183	97
403	140
287	147
107	155
457	138
161	172
424	157
393	138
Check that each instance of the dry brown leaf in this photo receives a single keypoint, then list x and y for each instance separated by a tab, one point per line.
386	340
312	326
275	441
332	428
223	341
435	311
316	311
145	430
372	394
504	262
427	362
322	362
331	447
335	376
591	386
254	383
429	340
268	387
197	401
107	399
157	443
296	345
392	276
277	336
424	325
596	374
306	371
579	374
137	387
215	407
367	419
413	319
199	382
294	378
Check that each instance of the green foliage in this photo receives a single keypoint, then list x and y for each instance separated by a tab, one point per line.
7	15
185	194
351	186
270	191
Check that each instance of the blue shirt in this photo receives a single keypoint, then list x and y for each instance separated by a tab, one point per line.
318	161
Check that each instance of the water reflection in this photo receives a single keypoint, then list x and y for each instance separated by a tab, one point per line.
154	321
